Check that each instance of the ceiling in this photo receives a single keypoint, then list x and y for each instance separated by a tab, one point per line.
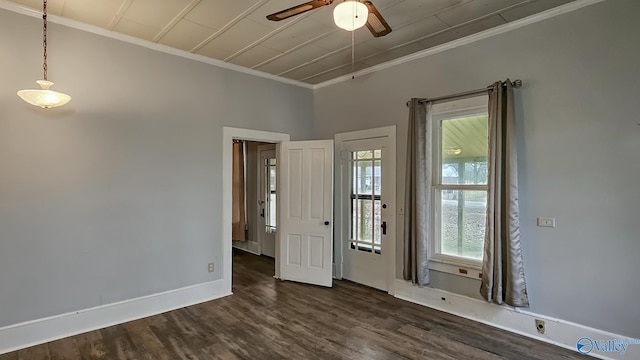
308	47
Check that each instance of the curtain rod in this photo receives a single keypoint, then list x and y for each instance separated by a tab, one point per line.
516	84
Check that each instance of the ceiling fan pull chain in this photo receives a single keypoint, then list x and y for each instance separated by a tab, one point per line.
353	53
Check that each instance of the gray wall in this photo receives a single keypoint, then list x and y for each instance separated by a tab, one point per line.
579	146
117	194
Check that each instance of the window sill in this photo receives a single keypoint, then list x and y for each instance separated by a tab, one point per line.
469	269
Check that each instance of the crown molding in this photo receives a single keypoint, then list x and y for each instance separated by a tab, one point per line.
563	9
13	7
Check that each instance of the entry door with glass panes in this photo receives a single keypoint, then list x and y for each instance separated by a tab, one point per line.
364	251
268	202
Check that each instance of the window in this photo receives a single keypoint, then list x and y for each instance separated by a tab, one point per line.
270	195
460	152
366	200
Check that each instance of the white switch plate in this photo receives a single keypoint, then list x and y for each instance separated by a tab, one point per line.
546	222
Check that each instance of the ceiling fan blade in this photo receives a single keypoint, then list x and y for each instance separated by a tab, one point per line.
298	9
375	22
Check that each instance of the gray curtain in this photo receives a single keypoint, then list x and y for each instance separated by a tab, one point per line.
503	277
417	196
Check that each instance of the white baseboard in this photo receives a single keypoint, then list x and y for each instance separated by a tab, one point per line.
558	332
35	332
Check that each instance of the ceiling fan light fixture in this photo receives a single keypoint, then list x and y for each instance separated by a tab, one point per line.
350	15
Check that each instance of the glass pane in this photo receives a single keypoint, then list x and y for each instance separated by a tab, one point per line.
363	179
465	146
354	219
272	178
463	223
270	196
364	221
367	154
272	210
377	154
377	177
377	221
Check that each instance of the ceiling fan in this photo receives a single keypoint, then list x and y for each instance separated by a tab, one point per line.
349	15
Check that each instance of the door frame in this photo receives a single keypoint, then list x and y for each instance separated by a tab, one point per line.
339	193
228	135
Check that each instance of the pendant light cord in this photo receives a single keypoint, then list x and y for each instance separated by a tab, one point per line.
44	37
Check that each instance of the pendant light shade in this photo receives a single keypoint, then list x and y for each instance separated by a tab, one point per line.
44	97
350	15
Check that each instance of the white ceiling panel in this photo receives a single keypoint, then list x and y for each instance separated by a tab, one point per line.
297	34
475	9
154	13
215	13
462	31
186	35
339	58
215	51
308	46
532	8
255	56
242	34
94	12
338	39
332	74
409	33
295	58
393	54
410	11
133	28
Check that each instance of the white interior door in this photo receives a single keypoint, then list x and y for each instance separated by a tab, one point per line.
267	202
305	218
367	206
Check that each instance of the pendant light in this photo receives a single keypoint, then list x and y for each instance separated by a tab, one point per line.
350	15
44	97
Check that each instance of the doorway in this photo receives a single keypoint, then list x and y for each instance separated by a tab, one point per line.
228	135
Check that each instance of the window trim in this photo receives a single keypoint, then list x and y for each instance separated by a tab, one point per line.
456	265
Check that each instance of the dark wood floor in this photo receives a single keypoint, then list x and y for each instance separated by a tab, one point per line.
270	319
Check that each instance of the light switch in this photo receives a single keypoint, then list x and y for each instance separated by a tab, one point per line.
546	222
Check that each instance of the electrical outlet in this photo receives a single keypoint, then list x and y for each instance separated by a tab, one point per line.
540	326
211	268
546	222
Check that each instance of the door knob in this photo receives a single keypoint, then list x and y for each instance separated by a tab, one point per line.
327	223
384	228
